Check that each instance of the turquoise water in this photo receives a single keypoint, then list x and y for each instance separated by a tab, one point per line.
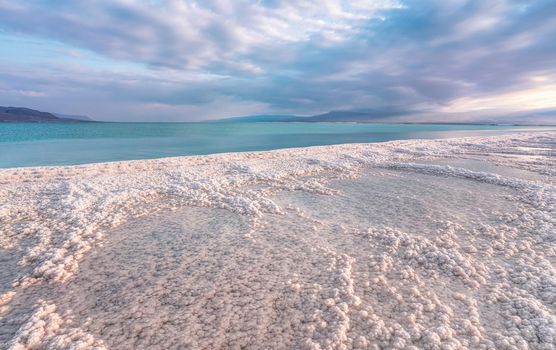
33	144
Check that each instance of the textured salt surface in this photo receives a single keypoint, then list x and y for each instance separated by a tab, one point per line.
442	244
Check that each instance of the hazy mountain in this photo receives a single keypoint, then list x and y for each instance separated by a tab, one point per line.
333	116
260	118
348	116
546	117
72	116
21	114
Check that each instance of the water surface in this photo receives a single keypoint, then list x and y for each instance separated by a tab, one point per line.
35	144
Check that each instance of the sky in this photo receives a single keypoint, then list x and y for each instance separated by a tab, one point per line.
181	60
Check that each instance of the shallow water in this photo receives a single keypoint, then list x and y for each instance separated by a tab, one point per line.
32	144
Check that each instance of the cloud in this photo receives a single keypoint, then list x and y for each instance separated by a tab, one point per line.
219	58
188	34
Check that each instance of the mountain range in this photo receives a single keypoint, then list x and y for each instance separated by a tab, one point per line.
21	114
333	116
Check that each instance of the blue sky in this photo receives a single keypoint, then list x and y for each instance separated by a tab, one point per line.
178	60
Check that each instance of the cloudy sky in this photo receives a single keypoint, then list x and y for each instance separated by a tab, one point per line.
448	60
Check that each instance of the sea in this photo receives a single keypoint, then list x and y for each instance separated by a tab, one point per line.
51	144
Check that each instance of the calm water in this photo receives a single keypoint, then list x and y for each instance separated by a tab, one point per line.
31	144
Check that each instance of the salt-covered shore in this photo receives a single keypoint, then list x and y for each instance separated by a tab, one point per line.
433	244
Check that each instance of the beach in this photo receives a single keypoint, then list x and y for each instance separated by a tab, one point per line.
414	244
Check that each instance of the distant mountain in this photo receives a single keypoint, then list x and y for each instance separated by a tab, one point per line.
260	118
333	116
72	116
538	117
21	114
348	116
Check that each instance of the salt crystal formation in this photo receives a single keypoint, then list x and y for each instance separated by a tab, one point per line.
435	244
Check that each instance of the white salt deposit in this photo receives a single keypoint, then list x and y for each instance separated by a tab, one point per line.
436	244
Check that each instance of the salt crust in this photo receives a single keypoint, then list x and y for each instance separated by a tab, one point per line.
45	329
51	216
